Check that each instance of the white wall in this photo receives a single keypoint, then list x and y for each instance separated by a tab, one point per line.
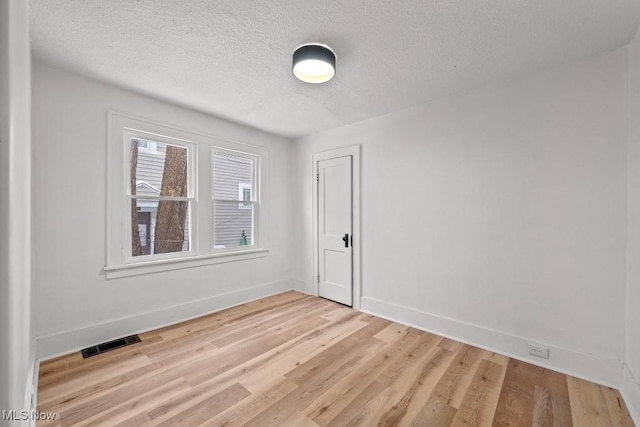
76	306
496	216
16	337
631	385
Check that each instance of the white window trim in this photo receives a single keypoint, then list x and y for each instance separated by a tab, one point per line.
202	251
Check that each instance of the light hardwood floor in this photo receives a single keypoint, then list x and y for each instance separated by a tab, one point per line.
297	360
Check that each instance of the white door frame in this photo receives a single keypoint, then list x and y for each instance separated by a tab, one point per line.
354	152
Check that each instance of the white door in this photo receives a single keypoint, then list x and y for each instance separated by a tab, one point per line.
334	230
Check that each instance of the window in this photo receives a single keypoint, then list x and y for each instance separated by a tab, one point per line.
160	196
233	176
178	199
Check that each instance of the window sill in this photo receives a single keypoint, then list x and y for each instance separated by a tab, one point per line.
118	271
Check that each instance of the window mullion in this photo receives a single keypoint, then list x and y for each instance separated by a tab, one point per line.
168	198
234	201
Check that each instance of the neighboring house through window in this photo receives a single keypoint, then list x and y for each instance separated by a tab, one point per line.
147	146
233	175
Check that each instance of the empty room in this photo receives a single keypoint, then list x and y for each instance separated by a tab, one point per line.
314	213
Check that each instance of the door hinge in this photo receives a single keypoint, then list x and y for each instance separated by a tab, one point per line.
318	277
318	177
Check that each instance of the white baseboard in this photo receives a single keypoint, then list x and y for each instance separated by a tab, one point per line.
581	365
301	286
54	345
631	394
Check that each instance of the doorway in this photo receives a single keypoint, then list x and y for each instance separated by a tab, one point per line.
336	225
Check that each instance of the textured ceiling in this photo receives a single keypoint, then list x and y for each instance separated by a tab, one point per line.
233	58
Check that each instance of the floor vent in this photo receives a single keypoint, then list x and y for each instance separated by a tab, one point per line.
108	346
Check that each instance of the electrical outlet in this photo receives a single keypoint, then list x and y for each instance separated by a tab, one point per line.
538	350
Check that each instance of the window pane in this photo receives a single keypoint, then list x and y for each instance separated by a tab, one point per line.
158	169
162	226
229	174
233	224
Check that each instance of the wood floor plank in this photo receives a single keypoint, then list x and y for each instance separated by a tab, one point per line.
175	348
69	367
317	375
406	394
338	313
242	371
496	358
535	394
551	404
340	348
195	415
360	407
426	387
231	316
391	332
515	405
237	332
241	412
326	406
435	413
306	352
83	393
481	399
164	411
89	379
138	421
454	382
451	345
402	368
396	379
618	411
225	360
299	420
557	384
588	405
78	367
131	408
105	402
542	407
298	360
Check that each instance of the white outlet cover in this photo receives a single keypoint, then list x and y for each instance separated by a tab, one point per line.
538	350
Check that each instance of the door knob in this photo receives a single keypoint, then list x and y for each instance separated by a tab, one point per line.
345	239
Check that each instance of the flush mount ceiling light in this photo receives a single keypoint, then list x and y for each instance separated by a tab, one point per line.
314	63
